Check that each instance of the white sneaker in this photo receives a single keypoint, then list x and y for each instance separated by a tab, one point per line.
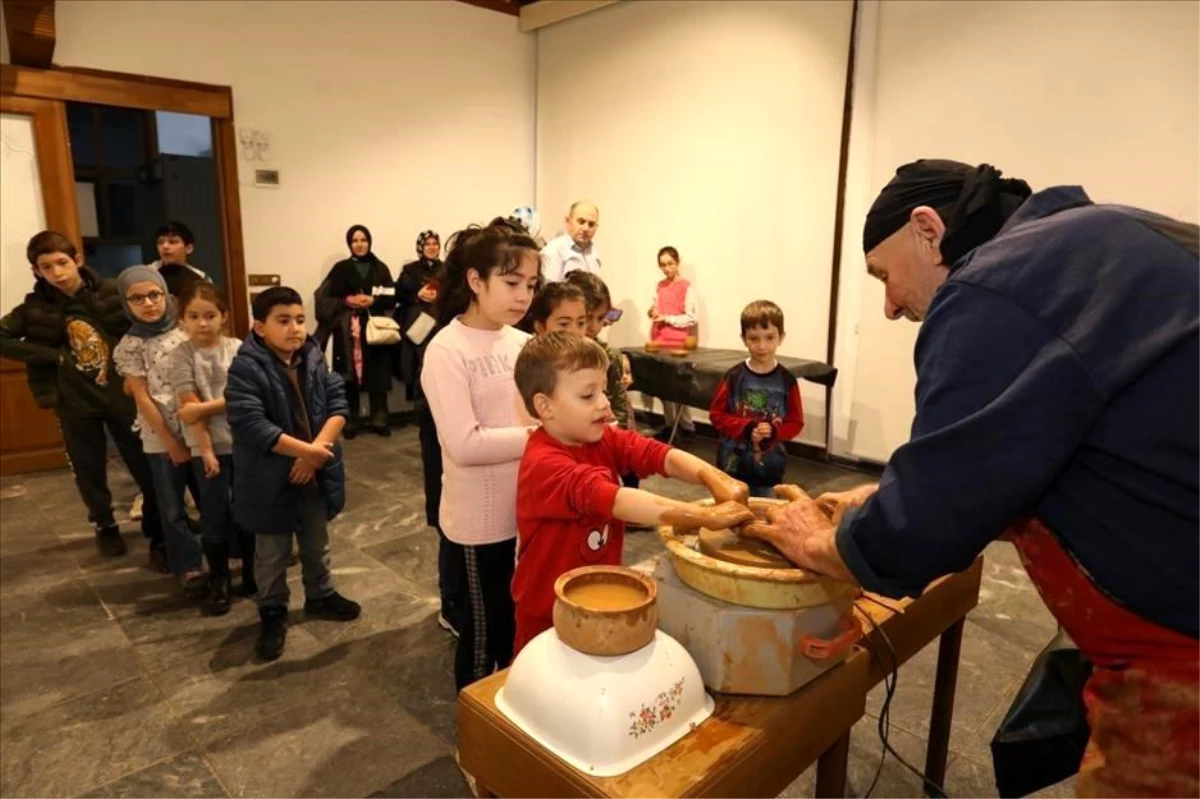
135	511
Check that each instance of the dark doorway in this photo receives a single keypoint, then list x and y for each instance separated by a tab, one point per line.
134	171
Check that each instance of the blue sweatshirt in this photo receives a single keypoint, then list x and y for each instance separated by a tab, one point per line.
1058	375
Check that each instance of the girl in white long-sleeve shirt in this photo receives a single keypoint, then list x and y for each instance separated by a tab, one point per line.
491	276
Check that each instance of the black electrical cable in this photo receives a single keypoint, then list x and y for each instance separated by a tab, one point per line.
884	720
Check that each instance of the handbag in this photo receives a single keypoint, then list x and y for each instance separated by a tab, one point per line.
382	331
1043	736
418	331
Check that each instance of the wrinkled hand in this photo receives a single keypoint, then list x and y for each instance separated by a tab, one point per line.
835	503
212	466
724	488
301	473
803	532
177	452
190	413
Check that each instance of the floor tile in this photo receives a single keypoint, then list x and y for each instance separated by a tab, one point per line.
413	557
346	741
185	776
74	747
441	778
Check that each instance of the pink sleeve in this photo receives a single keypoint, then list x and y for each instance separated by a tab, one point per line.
444	380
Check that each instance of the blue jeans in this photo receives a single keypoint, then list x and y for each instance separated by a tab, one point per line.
216	506
767	492
170	481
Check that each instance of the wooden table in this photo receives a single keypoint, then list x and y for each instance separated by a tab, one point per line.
751	746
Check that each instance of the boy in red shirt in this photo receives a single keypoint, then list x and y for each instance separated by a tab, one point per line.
571	507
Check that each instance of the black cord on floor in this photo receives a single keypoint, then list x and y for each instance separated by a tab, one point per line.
884	725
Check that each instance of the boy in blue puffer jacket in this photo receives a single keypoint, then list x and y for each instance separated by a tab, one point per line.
286	412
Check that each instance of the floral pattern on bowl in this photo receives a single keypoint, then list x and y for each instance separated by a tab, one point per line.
663	707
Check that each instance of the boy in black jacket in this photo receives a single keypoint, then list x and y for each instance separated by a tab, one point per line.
286	412
65	331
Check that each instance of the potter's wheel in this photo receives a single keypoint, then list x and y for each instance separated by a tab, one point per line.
730	547
773	582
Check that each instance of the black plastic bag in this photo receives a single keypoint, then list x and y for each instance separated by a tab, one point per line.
1042	738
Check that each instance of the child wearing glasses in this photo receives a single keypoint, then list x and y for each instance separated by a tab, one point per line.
142	358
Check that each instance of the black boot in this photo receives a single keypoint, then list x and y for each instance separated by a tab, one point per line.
273	634
249	585
350	430
334	607
220	587
109	541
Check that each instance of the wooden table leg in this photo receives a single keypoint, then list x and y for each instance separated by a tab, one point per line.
943	707
831	769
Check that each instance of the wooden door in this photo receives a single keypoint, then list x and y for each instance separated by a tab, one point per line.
38	192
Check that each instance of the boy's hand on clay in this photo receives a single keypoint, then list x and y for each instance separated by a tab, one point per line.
714	517
834	504
724	488
212	466
726	515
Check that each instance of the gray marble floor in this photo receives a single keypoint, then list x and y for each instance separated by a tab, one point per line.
112	685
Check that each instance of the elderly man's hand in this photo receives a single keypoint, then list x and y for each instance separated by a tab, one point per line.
802	532
836	503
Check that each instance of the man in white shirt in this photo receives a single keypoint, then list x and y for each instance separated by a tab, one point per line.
573	249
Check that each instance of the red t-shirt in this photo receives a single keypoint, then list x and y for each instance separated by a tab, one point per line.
565	499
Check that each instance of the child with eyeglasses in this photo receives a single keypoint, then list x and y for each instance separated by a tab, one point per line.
143	358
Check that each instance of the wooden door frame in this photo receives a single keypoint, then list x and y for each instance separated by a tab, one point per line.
74	84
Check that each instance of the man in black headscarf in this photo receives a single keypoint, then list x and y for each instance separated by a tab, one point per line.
1057	401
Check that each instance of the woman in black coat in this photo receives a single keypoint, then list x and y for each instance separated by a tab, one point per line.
356	289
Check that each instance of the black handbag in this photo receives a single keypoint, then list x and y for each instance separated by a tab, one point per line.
1042	738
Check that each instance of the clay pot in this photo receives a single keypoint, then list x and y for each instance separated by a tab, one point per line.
689	343
653	346
605	610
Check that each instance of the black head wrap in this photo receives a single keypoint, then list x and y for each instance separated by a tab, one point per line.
370	256
973	201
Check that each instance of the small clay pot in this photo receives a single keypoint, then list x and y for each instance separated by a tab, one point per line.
689	343
653	346
622	627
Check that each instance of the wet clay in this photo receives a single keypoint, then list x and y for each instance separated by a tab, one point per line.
606	596
728	546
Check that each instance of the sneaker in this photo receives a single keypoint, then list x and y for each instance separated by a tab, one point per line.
381	430
135	511
334	607
109	541
273	633
444	623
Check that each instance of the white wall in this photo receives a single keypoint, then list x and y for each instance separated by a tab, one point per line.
22	209
712	127
398	115
1100	94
